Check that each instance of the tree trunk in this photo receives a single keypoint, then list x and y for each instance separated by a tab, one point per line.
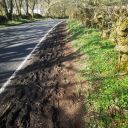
10	10
18	6
27	11
33	7
5	8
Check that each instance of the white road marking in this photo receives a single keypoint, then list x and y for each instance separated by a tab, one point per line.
14	45
23	63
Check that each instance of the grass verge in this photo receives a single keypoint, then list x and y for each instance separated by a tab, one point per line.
107	101
16	22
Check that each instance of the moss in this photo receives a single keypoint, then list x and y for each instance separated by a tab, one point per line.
113	35
122	40
121	33
124	24
120	27
124	63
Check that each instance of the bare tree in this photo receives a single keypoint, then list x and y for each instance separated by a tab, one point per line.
32	6
18	4
27	7
8	6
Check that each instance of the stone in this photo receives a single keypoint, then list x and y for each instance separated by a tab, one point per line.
121	48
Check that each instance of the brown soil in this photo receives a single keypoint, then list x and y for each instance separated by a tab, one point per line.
45	93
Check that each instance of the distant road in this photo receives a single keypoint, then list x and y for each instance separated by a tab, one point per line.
17	42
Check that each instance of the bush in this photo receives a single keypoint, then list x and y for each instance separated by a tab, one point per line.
3	19
15	16
38	16
29	16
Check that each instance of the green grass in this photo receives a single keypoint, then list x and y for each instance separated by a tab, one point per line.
16	22
108	96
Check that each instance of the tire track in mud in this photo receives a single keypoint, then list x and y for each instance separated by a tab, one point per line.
35	98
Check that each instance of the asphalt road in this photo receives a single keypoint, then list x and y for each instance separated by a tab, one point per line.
16	43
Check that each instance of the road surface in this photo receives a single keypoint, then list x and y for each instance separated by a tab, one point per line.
16	43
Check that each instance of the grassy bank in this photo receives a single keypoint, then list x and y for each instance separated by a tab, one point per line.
16	22
106	103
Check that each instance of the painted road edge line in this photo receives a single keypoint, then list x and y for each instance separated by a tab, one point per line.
23	63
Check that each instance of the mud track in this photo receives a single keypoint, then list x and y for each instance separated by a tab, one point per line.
42	95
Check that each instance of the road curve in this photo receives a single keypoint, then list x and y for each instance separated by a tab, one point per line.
16	43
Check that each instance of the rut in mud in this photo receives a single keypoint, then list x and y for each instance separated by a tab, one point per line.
42	95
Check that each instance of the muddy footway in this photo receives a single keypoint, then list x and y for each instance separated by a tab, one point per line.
43	95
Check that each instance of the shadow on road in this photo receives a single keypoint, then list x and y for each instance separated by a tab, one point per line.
17	42
41	95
